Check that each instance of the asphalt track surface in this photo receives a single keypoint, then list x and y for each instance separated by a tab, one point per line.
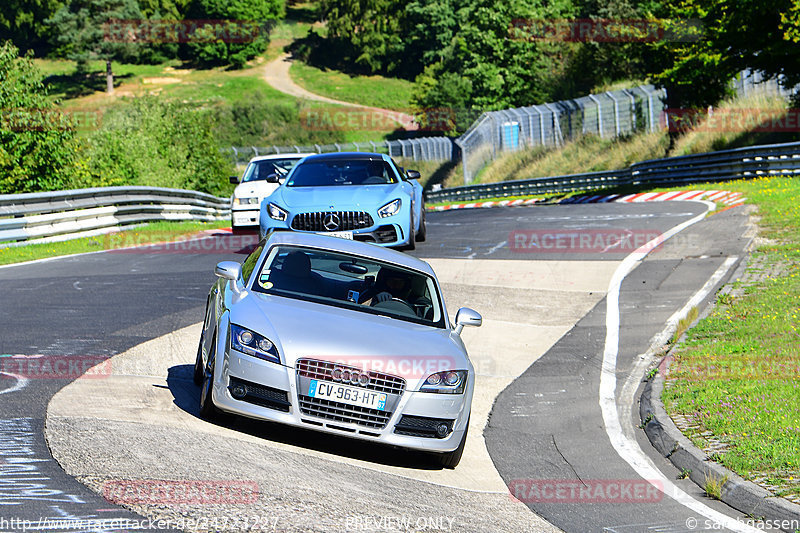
94	306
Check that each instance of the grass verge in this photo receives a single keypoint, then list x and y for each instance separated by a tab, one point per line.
149	233
373	91
736	374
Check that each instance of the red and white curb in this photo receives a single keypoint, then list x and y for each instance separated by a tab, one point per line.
500	203
728	198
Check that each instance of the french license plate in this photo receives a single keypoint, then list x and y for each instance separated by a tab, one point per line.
346	394
341	234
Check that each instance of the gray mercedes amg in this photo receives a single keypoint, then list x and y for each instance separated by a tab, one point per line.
338	336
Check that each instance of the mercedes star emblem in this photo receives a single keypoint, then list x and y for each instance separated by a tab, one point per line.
331	221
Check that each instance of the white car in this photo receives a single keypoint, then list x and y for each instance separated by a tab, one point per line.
260	179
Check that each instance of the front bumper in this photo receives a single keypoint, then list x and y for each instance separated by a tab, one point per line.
277	392
393	231
245	217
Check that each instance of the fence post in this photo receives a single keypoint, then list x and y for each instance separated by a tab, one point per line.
594	99
616	111
255	150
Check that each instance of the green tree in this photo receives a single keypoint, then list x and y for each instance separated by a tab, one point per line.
368	31
86	30
24	22
501	68
736	34
241	34
38	149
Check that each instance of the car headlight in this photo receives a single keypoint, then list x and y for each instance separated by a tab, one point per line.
390	209
251	343
447	382
275	212
246	201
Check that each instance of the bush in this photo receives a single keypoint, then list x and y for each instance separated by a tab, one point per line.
162	144
38	148
259	121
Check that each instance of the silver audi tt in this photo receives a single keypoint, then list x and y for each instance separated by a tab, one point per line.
338	336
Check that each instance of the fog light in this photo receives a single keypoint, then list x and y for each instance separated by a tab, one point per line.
442	430
239	391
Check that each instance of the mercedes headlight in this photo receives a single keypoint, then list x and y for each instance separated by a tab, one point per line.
251	343
390	209
447	382
275	212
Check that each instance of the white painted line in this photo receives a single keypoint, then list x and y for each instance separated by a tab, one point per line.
672	322
627	447
21	383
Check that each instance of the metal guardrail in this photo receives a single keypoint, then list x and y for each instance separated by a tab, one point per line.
63	215
418	149
726	165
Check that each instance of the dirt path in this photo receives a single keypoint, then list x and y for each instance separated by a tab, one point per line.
277	75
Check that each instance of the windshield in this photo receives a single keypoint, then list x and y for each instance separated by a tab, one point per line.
351	282
342	172
259	170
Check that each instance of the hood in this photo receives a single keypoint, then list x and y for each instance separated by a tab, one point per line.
344	197
259	188
370	342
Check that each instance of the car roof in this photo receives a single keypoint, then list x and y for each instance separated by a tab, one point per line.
289	155
349	156
347	246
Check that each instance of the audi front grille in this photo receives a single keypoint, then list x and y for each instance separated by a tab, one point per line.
378	381
342	412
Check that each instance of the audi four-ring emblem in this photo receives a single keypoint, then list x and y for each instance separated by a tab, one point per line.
354	377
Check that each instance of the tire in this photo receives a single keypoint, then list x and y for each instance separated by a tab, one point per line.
410	244
451	459
198	364
207	408
423	229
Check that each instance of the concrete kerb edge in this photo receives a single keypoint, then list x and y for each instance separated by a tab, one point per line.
745	496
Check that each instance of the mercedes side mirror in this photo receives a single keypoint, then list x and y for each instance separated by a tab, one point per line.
272	178
234	179
413	174
230	270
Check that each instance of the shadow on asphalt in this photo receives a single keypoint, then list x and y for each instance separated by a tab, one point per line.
187	397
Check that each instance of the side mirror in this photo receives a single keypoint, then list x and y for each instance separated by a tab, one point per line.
413	174
272	178
234	179
230	270
467	317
